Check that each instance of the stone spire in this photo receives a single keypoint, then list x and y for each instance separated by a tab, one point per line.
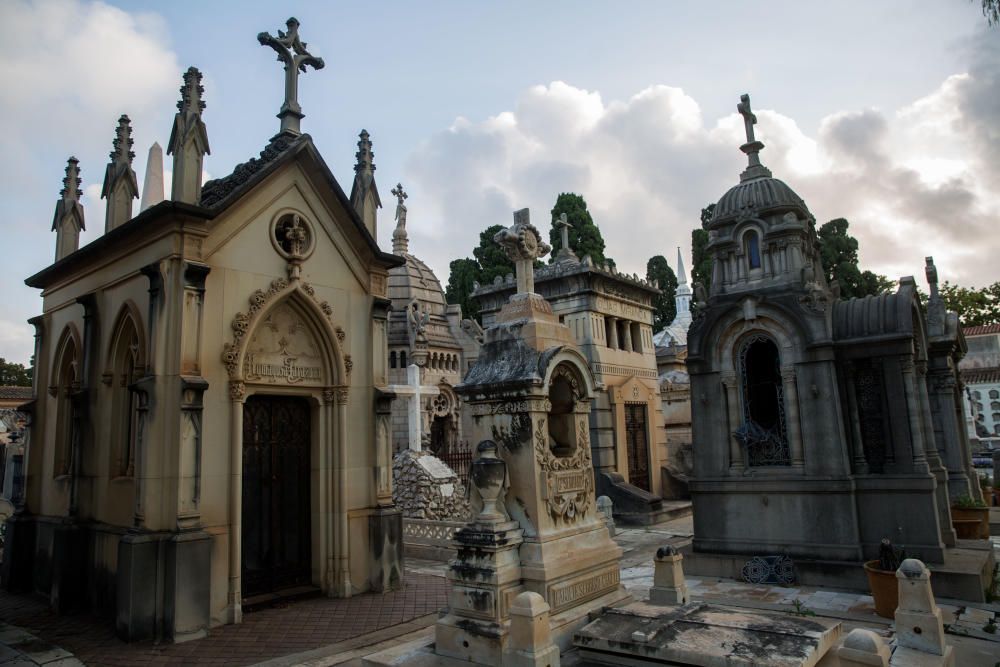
152	184
292	52
188	141
120	185
68	219
364	192
682	297
400	240
752	147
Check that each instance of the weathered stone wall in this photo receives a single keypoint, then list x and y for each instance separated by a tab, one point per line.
424	487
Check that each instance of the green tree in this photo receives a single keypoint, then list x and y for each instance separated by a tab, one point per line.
462	274
13	374
584	236
493	261
991	10
975	307
664	306
838	252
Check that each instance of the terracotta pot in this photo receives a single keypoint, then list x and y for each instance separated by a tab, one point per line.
968	514
885	589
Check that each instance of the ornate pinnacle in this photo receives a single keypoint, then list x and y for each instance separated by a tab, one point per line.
191	92
71	182
122	152
365	156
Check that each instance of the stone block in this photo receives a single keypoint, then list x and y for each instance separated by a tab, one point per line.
863	648
385	532
138	561
530	642
69	568
669	587
918	619
19	554
187	586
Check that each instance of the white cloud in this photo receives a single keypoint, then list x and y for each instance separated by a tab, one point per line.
912	183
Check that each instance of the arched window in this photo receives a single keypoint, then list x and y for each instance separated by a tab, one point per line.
977	395
762	433
66	383
563	394
995	405
753	250
993	393
402	358
126	369
996	417
392	359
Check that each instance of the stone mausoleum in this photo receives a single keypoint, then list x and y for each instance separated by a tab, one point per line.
820	425
610	316
207	380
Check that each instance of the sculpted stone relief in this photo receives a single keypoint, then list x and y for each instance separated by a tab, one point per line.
569	480
283	351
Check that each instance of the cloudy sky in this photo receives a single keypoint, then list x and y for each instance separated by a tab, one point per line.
885	113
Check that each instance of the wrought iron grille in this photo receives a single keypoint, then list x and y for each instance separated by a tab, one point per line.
763	445
868	389
458	459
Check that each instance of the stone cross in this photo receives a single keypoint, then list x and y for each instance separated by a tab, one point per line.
564	226
400	195
749	119
414	393
291	51
523	245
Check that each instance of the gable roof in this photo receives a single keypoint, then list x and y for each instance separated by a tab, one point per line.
981	330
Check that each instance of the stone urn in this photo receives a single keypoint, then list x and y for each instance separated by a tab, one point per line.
488	475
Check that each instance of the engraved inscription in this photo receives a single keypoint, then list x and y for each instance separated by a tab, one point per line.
570	592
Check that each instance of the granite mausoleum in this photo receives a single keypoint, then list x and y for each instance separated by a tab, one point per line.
209	378
808	407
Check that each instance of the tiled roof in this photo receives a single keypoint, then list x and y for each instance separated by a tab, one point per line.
981	375
15	392
981	330
219	189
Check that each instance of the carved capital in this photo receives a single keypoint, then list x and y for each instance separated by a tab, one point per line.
237	391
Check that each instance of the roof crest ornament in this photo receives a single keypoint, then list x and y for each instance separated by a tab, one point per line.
292	52
752	147
400	239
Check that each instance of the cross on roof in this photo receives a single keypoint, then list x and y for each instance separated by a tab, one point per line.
749	119
291	51
752	147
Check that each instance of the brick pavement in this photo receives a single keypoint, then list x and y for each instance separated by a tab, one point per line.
269	633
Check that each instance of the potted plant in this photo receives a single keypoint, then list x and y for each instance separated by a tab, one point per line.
882	578
971	518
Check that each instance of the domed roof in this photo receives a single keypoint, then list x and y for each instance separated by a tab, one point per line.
756	197
415	280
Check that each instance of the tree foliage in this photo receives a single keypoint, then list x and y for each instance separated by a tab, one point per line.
13	374
975	307
493	261
584	235
838	252
991	10
490	261
664	306
701	261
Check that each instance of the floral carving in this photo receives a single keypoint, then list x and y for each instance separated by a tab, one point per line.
569	480
348	363
237	391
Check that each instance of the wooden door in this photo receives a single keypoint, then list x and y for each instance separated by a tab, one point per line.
277	544
638	450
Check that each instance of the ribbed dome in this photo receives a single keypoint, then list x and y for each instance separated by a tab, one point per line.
757	197
416	280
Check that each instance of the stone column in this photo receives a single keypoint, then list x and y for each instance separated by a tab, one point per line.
793	427
612	331
237	395
343	581
731	391
937	468
627	331
912	407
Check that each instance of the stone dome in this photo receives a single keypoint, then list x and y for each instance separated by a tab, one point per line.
757	197
415	280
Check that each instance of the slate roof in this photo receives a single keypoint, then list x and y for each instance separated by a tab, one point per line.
220	189
7	392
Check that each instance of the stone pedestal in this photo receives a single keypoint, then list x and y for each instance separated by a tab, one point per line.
17	571
139	556
186	583
863	648
485	578
69	565
669	587
918	620
530	640
385	534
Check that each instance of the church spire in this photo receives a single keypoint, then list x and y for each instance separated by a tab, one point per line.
682	297
681	276
120	185
68	219
752	147
364	192
188	140
400	240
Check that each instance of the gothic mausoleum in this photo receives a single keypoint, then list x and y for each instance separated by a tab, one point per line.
820	425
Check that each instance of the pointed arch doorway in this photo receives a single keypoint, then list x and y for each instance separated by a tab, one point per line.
277	536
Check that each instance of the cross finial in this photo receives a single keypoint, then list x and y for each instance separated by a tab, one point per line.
71	182
400	240
565	252
292	52
752	147
523	245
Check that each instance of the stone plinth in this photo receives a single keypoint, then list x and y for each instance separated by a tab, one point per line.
919	627
669	587
701	634
863	648
530	640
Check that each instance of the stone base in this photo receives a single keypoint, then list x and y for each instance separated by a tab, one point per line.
68	593
187	584
965	574
701	634
385	533
907	657
19	554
